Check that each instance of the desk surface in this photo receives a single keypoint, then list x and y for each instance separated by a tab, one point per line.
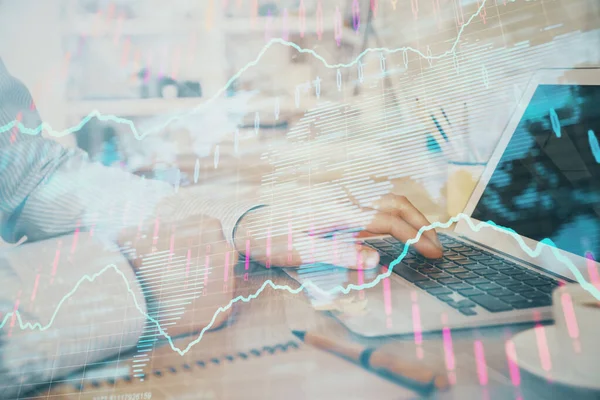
267	320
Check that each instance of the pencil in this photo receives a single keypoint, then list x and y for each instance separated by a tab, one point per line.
444	125
433	127
379	362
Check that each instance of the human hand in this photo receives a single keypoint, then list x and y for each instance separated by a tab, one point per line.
320	225
183	264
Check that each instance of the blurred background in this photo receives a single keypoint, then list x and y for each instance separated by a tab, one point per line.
252	92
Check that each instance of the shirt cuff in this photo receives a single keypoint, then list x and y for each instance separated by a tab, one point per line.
192	201
232	225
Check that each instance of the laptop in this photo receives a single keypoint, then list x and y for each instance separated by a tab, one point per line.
542	181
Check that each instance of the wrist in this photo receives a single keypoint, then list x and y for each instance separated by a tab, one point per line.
242	230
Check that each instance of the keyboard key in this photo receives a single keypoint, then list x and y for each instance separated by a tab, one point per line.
489	260
523	304
534	293
470	292
445	265
522	276
461	304
487	272
409	274
505	281
494	277
474	267
541	302
487	286
545	300
459	286
467	311
448	281
500	292
375	242
428	270
439	276
470	254
464	262
439	261
391	240
462	248
457	270
513	299
510	285
512	271
428	284
545	289
485	259
386	260
521	289
510	263
491	303
411	262
466	275
499	267
456	258
439	291
466	303
535	282
445	298
477	281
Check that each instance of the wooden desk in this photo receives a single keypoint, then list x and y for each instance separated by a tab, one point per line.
268	319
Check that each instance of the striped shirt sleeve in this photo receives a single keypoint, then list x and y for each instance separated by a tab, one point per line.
47	190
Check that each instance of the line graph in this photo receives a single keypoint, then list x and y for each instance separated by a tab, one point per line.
139	136
339	289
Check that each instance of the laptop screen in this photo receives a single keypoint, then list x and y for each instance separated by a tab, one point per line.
547	182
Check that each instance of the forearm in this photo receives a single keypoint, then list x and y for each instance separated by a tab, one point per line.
210	200
88	196
47	190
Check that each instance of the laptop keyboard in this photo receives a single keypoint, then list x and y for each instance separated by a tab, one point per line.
468	276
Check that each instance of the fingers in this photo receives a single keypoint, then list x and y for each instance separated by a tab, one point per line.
188	258
400	206
317	211
340	251
337	251
385	223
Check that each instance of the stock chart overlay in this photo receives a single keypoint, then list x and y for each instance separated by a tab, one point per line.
304	199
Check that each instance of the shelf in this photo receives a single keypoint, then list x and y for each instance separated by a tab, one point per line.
92	26
132	107
275	25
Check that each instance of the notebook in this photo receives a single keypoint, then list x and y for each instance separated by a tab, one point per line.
289	369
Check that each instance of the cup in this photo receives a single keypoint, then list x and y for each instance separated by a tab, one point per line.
577	323
462	179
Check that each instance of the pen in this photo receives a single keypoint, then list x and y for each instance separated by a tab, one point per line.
444	125
434	128
412	374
